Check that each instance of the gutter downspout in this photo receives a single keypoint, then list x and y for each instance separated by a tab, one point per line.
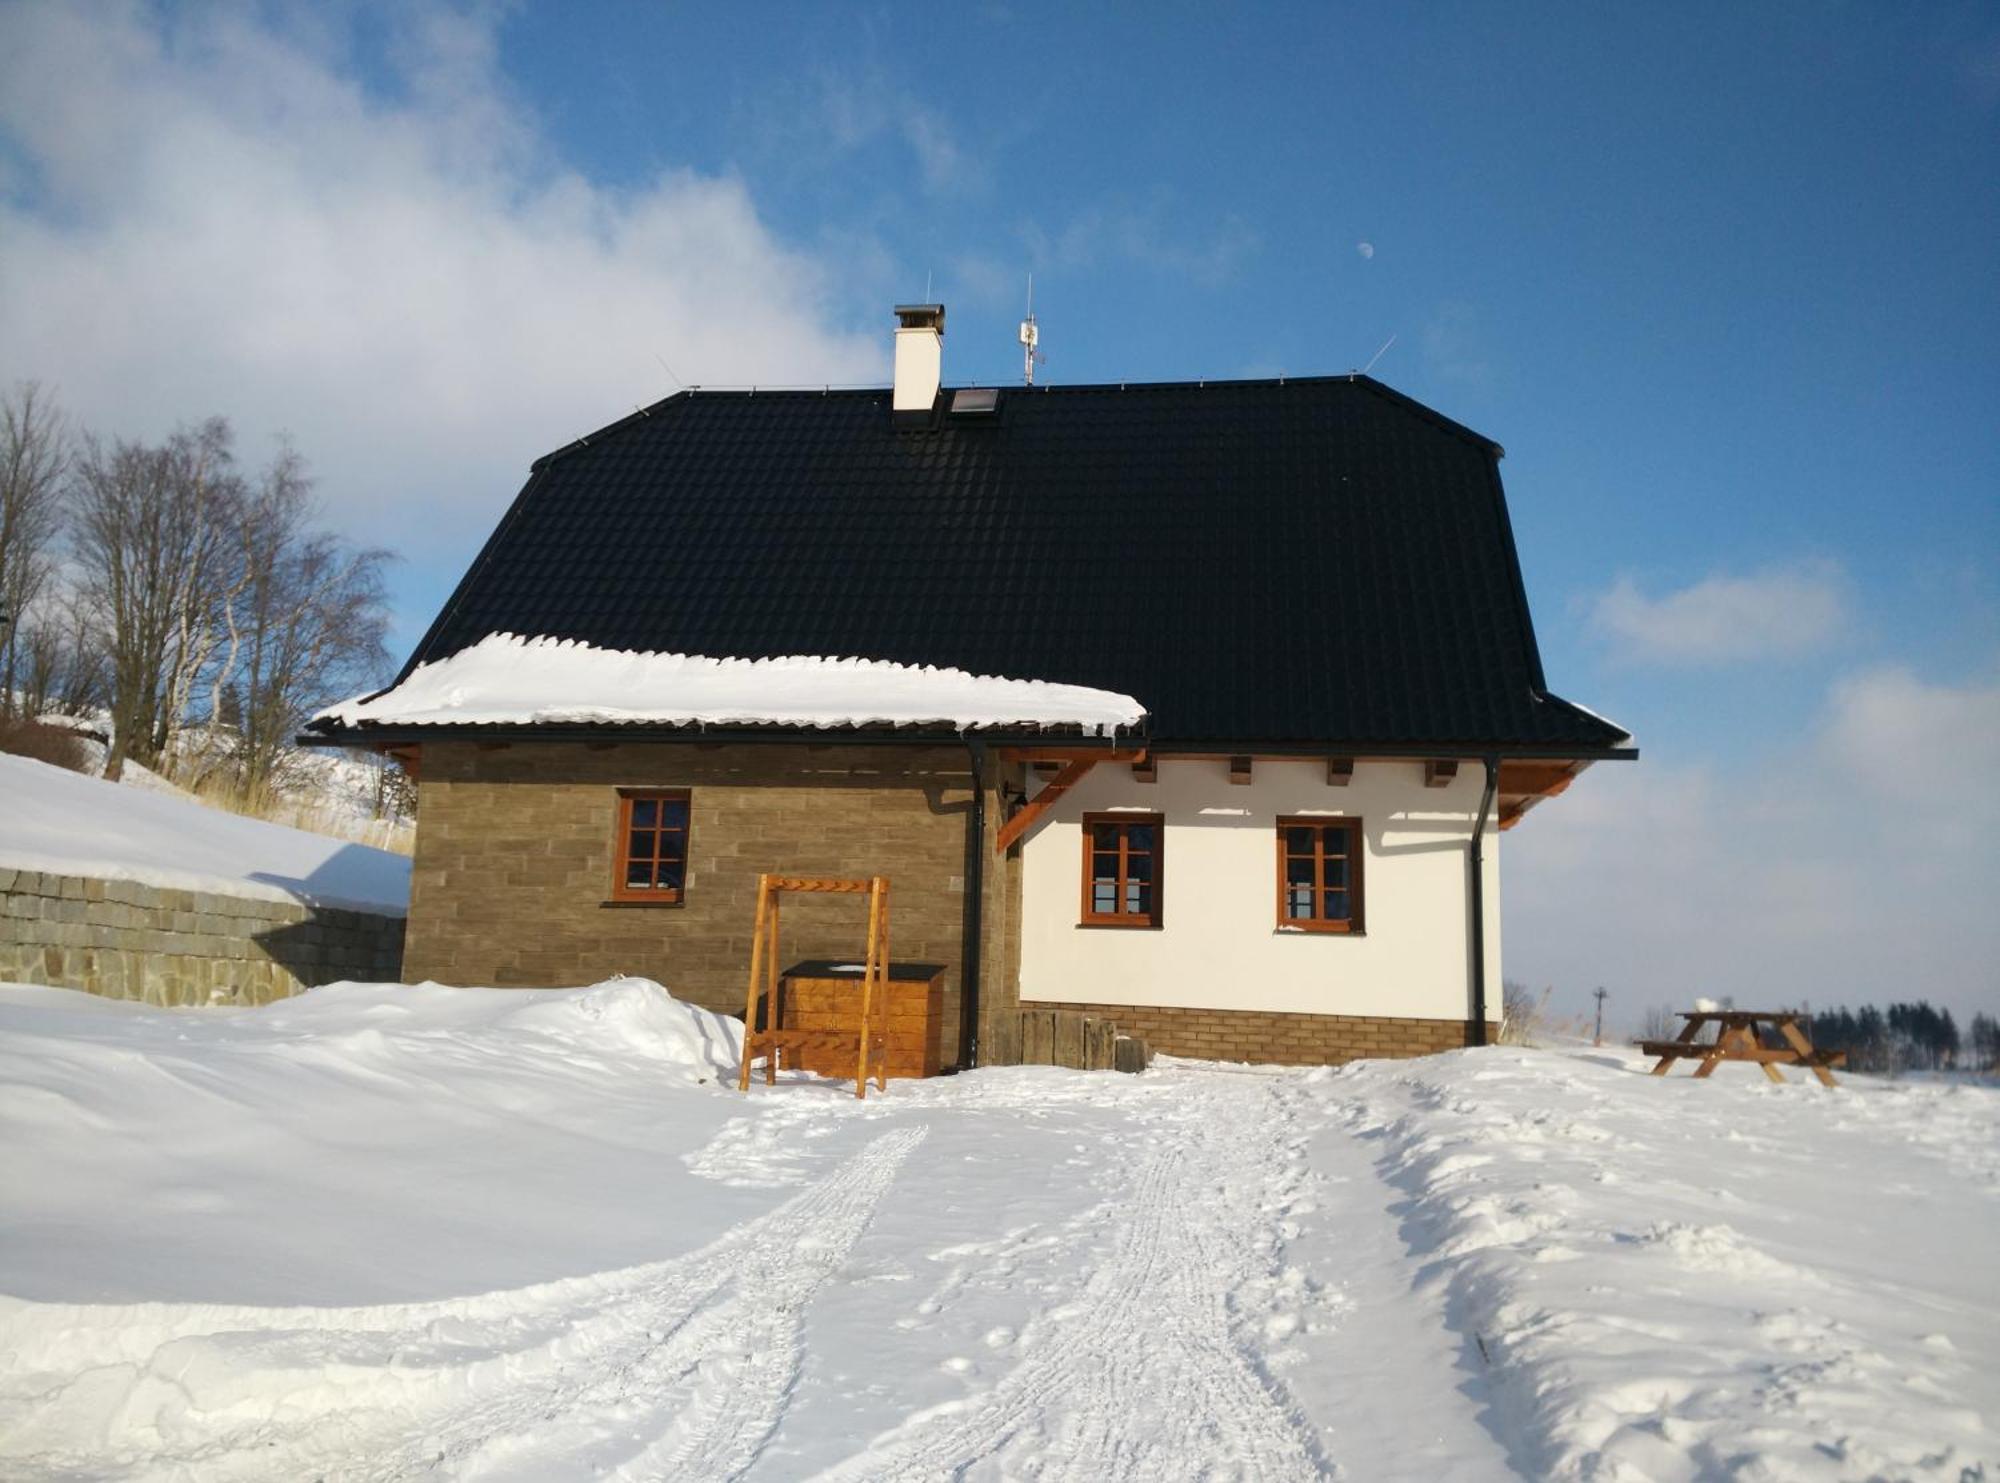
1477	856
971	933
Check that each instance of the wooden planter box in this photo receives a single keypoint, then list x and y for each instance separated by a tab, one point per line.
825	994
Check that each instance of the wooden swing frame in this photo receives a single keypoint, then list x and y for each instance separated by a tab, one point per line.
866	1035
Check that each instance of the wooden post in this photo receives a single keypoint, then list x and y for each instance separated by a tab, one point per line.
881	883
756	976
771	992
1068	1040
1795	1037
868	970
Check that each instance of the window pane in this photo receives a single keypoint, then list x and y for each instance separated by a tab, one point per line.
1299	841
1104	897
639	875
1336	906
1138	836
673	846
1138	898
1139	867
1333	840
1299	872
1104	867
1299	902
673	813
1104	836
643	813
1336	872
670	876
640	845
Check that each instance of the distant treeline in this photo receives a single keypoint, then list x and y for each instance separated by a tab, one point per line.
165	589
1907	1037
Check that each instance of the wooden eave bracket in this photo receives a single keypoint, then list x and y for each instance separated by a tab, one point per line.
1073	773
1239	769
1339	771
1439	772
410	757
1524	784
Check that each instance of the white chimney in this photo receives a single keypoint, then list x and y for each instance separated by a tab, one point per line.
919	356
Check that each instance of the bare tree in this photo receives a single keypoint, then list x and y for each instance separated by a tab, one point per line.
34	456
1662	1022
302	621
60	667
152	537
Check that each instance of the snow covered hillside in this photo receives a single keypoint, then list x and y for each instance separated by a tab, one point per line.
65	823
376	1231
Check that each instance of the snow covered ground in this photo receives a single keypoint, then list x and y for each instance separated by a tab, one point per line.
382	1232
65	823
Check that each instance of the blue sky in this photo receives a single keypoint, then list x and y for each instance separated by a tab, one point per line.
1722	279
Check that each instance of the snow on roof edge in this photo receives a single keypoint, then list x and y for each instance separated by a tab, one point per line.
1625	738
507	679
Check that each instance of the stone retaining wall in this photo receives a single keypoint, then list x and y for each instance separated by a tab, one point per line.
130	941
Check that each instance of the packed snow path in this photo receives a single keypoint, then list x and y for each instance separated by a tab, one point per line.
1483	1265
677	1370
1141	1376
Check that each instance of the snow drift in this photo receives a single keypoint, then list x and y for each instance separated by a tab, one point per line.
64	823
378	1231
505	679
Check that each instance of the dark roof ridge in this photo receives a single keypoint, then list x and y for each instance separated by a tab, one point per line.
1356	378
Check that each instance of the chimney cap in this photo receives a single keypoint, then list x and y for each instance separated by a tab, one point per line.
921	316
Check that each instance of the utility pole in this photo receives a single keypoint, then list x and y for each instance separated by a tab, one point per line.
1599	996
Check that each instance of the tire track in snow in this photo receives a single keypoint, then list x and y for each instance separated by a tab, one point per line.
677	1369
1143	1380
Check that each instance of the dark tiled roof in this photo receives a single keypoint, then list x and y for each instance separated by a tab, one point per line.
1308	561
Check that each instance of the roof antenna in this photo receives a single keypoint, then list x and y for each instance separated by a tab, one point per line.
679	385
1378	355
927	285
1030	338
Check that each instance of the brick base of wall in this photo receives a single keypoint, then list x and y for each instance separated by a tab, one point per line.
1277	1039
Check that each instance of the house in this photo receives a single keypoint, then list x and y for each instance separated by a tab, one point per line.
1196	706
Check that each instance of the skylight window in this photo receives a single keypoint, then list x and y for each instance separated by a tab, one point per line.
975	399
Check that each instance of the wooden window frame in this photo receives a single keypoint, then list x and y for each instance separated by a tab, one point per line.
621	845
1141	921
1357	851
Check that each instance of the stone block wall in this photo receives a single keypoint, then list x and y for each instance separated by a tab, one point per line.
174	947
1280	1039
511	884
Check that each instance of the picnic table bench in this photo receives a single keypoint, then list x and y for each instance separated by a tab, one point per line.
1736	1039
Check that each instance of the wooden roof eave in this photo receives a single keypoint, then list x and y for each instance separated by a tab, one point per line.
1523	784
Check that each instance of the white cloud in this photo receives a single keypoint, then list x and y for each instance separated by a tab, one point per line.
1455	346
1147	231
858	111
1859	866
1366	249
214	216
1779	612
1923	748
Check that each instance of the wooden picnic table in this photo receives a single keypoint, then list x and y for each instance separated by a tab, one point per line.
1736	1039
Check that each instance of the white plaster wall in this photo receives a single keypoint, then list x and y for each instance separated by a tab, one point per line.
1219	946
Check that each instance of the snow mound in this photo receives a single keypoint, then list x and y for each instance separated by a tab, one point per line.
504	1136
505	679
1670	1278
637	1015
64	823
